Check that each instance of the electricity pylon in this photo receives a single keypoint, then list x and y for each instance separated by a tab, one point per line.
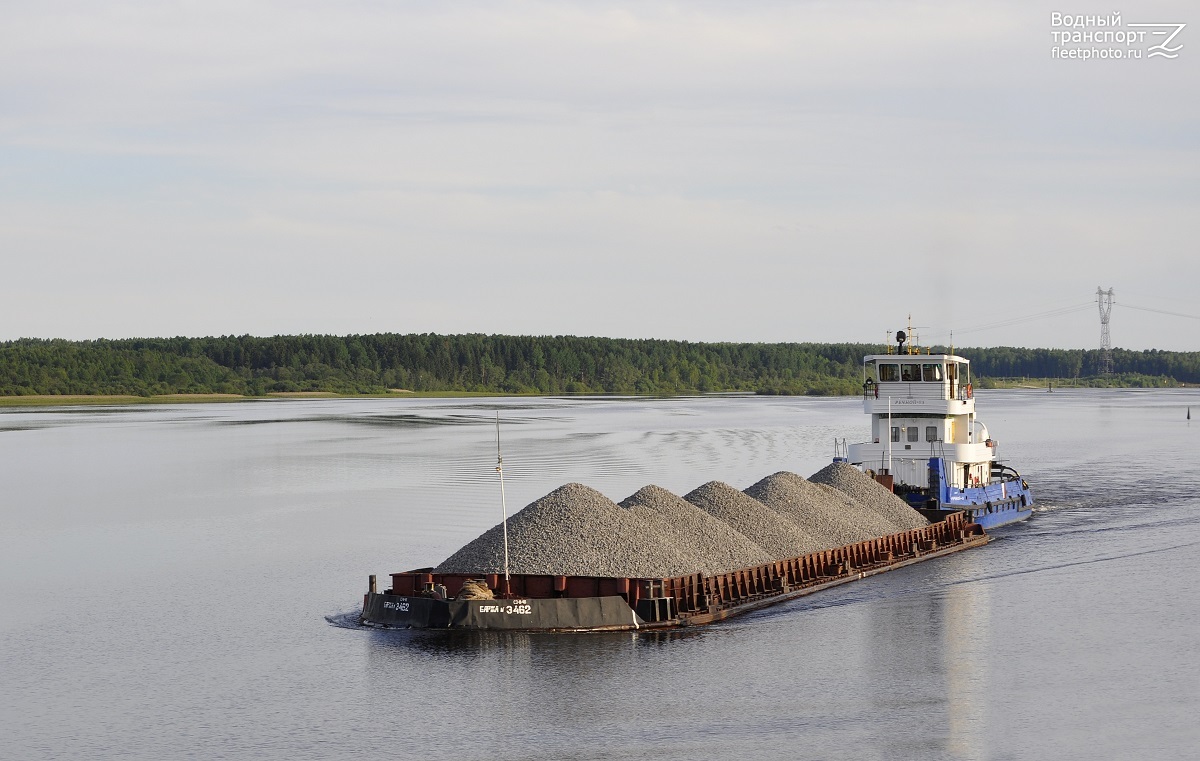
1105	299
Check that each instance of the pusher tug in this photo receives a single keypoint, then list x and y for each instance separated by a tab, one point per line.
926	442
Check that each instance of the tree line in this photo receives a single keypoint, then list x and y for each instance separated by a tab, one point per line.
366	364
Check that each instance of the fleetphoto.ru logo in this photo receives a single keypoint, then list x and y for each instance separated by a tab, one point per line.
1085	36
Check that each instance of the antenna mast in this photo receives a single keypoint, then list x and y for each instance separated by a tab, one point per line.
889	435
1105	299
503	504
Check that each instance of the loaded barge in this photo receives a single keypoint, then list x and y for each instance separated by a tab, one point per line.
422	599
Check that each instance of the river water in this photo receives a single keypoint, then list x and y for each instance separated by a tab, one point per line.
177	581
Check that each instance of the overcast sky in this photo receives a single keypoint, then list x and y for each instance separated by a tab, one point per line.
709	171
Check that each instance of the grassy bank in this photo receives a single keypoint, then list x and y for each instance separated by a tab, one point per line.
64	400
1119	380
70	400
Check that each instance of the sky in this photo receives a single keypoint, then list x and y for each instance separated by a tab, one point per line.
707	171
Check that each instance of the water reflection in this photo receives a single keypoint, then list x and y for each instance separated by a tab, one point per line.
589	695
389	644
967	641
926	660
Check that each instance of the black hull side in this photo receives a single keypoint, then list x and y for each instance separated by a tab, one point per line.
557	614
405	612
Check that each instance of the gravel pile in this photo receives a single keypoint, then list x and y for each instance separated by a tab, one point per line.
869	494
823	512
577	531
716	545
759	523
574	531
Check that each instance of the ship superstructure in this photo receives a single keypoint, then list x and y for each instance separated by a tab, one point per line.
926	441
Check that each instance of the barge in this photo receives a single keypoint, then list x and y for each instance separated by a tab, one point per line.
927	444
422	599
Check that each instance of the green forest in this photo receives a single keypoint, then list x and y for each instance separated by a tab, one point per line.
375	364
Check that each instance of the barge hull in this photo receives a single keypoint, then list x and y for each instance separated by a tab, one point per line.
556	614
576	604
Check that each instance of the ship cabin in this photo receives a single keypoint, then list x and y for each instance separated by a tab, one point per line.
922	406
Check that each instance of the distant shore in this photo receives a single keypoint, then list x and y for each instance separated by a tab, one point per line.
231	368
68	400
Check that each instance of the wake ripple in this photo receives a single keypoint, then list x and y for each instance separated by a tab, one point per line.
348	620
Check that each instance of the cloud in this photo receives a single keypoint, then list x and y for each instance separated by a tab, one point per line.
804	171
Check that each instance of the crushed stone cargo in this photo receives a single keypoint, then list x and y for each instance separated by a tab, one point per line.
870	494
577	531
823	512
759	523
716	545
574	530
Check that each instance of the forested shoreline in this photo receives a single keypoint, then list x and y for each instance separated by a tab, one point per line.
374	364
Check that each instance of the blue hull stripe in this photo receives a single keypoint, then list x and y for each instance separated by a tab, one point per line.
1001	518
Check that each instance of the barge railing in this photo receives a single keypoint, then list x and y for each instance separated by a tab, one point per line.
709	595
701	598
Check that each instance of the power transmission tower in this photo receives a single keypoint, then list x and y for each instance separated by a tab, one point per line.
1105	300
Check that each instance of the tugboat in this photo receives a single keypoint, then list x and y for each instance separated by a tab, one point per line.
926	443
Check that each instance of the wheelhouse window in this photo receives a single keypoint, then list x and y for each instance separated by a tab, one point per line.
931	433
910	372
895	431
914	433
889	373
932	372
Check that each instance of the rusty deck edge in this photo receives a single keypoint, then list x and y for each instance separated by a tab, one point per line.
702	619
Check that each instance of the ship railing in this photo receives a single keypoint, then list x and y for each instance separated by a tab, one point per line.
914	390
841	449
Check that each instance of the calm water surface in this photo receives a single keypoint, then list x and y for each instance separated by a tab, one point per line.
168	576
